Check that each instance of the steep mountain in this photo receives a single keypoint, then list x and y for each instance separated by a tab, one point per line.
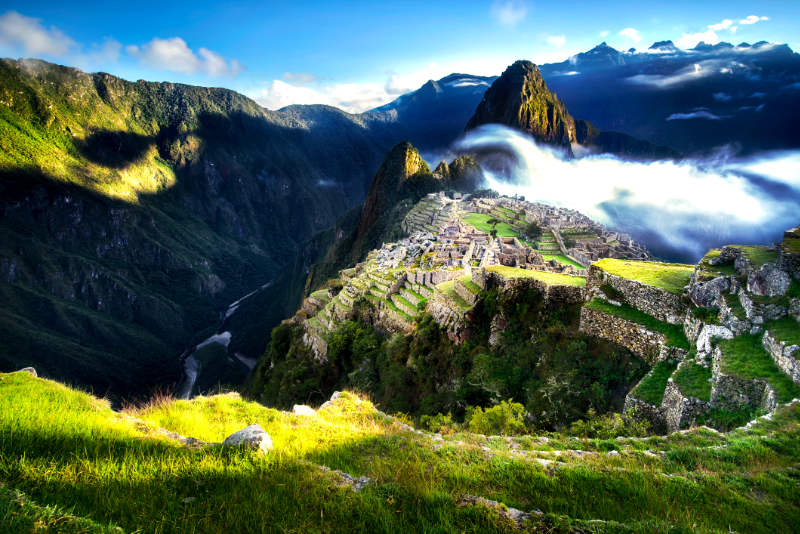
433	116
402	180
131	214
519	98
692	100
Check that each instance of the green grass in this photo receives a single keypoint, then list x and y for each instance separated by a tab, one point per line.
479	222
693	380
735	305
651	388
711	271
671	277
673	333
77	462
560	258
467	282
758	255
448	290
745	357
553	279
785	329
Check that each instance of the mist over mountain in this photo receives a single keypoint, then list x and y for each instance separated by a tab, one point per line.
691	100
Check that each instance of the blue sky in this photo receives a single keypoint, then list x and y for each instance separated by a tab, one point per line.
358	55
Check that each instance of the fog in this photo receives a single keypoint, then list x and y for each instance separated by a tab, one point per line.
678	210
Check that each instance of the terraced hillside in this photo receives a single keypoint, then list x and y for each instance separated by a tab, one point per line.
68	463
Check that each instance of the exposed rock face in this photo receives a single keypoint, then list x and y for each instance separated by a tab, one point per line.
707	335
768	281
252	436
705	294
519	98
30	370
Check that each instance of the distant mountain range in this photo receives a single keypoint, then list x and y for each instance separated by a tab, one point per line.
693	100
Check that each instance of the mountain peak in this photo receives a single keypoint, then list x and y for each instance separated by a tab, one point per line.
664	46
520	98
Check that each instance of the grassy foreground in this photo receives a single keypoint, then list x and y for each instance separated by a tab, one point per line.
671	277
68	463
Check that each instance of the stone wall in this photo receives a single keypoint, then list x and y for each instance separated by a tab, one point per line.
463	292
733	392
681	411
633	336
786	356
659	303
640	410
453	321
433	278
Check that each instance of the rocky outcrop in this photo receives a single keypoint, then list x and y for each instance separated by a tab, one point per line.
768	281
253	437
519	98
708	334
786	356
706	294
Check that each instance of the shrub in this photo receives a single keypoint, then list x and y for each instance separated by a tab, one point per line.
506	418
610	425
441	423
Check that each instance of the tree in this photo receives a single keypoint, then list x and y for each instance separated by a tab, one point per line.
533	231
493	232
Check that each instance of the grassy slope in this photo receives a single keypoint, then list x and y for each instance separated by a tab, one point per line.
744	356
669	276
479	221
554	279
693	380
68	450
651	388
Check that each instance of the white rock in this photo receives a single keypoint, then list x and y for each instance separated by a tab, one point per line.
252	436
302	409
709	333
30	370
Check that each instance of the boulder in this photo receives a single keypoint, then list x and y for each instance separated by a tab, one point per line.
30	370
708	334
302	409
705	294
252	436
768	281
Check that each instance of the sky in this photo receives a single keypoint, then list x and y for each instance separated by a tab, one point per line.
359	55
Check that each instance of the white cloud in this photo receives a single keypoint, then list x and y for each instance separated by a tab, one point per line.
734	28
508	12
632	34
694	115
690	73
174	55
299	77
752	19
722	97
604	33
690	40
26	35
351	97
556	40
724	25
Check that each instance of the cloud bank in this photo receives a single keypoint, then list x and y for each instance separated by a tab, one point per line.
679	210
27	35
508	12
174	55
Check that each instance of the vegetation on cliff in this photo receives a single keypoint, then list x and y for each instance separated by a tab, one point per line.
540	361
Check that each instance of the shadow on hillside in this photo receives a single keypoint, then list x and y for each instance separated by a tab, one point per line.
112	149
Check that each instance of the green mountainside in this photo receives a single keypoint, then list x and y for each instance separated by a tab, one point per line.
131	213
